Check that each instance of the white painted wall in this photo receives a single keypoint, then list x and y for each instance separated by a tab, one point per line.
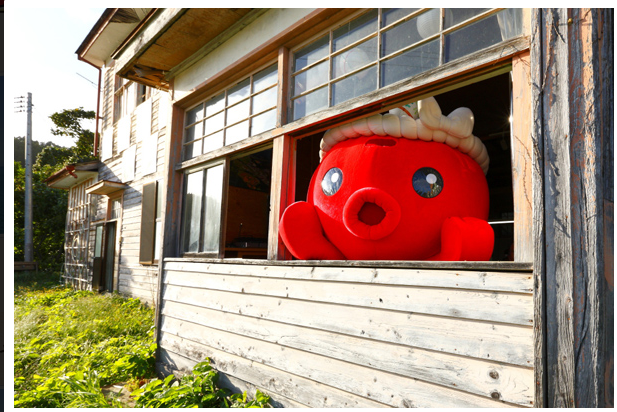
258	32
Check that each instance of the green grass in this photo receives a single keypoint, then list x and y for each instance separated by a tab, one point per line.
77	339
69	344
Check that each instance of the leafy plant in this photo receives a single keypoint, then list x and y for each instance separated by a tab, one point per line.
196	390
68	341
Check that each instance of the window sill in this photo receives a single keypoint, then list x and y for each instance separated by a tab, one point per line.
412	264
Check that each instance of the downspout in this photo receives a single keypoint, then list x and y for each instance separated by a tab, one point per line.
98	105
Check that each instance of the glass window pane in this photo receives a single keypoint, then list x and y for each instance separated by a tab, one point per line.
355	58
238	112
192	211
484	33
265	78
427	23
265	100
356	85
193	132
311	103
404	34
215	123
157	240
263	122
98	242
194	114
213	142
212	211
216	104
191	150
311	78
389	16
456	16
236	133
355	30
410	63
311	53
238	92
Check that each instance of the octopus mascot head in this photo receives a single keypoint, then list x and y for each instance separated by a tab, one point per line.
406	185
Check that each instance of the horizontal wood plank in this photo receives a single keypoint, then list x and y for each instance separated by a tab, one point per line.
483	340
514	383
411	264
480	280
374	385
468	304
184	353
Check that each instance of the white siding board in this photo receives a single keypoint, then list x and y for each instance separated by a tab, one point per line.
373	384
270	380
483	340
461	338
468	304
480	280
467	374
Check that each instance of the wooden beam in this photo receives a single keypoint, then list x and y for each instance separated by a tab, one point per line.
573	86
172	186
281	193
522	150
155	28
216	42
539	243
591	125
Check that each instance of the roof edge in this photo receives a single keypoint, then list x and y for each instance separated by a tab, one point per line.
95	32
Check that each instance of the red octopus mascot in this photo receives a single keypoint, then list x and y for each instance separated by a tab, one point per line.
406	185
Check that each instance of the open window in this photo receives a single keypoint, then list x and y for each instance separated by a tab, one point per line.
490	102
365	64
227	207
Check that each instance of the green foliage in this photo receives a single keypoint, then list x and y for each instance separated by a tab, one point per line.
19	149
68	343
49	205
197	390
48	220
68	123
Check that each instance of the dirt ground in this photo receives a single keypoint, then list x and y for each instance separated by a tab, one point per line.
120	393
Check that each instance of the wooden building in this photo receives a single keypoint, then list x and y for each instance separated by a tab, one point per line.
210	122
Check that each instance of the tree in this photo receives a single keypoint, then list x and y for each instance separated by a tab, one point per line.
19	149
50	205
68	123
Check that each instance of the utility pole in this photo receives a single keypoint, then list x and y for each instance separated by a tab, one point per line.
28	247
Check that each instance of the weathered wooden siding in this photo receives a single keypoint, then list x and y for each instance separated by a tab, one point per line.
355	337
131	277
573	110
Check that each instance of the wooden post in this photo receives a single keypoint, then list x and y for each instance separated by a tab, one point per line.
573	120
521	158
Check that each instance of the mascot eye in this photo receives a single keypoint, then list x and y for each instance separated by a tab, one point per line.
427	182
332	181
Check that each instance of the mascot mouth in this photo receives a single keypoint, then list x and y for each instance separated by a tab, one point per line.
371	213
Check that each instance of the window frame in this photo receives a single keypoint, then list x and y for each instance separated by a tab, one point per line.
481	64
377	34
224	162
224	93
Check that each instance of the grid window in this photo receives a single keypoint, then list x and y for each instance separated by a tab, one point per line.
243	110
383	46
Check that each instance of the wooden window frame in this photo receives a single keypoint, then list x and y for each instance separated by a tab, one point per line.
508	56
377	34
110	199
201	168
226	106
